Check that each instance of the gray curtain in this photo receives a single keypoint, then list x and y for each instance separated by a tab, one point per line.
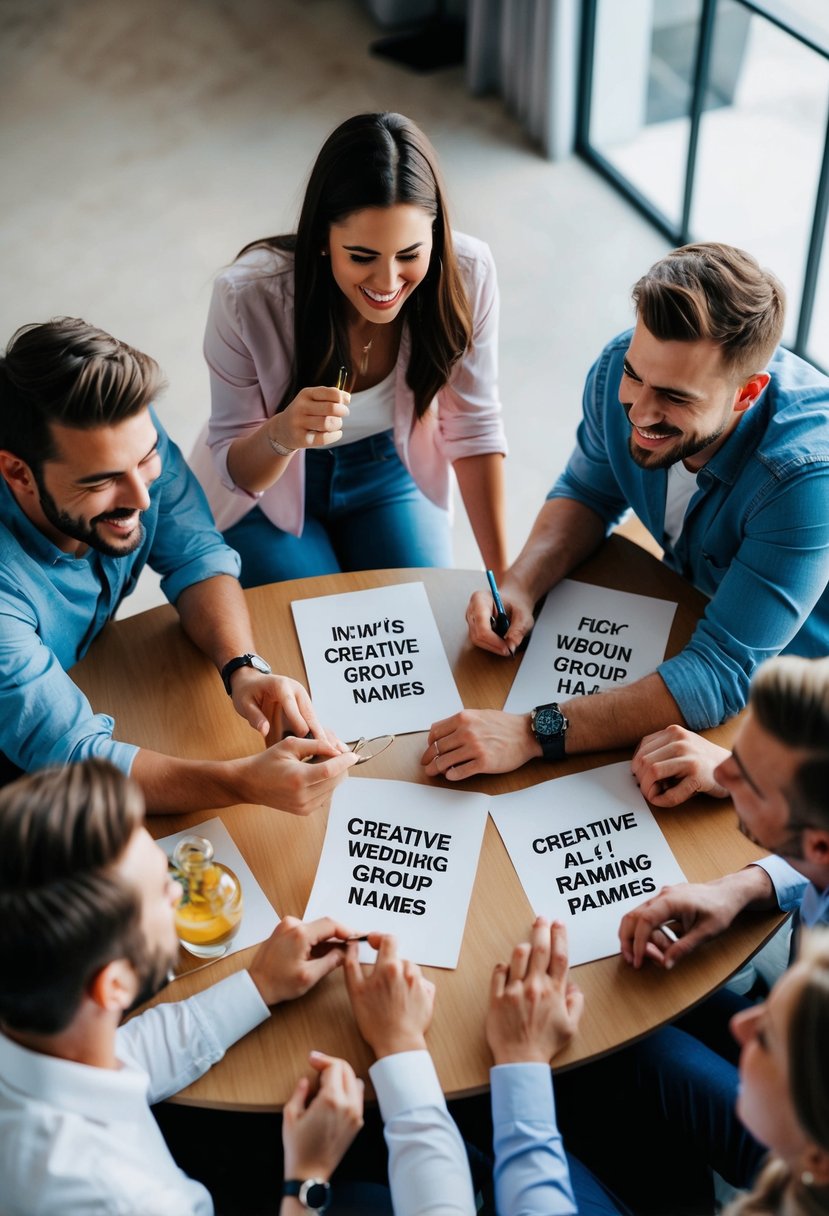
527	50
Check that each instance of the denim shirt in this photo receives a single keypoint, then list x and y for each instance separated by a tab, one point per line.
755	537
52	606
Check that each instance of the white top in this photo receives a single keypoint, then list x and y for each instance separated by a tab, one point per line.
370	412
80	1139
682	485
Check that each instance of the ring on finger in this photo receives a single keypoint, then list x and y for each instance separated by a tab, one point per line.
437	749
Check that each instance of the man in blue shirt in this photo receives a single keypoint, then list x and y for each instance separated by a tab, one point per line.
91	490
685	1076
719	441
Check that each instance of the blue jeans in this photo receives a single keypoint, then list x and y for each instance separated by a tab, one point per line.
363	511
655	1116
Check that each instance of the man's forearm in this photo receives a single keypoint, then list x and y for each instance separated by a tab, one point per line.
171	785
214	615
756	888
619	717
564	534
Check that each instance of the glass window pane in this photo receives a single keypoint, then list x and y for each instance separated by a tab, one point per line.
644	57
811	15
760	147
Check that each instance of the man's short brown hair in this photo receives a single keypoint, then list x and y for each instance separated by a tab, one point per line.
67	371
64	911
790	699
715	292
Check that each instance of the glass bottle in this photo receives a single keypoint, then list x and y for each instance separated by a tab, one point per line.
210	910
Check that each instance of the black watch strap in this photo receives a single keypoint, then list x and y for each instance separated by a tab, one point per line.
549	726
312	1193
243	660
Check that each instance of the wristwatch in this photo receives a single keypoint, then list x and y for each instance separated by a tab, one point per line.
549	726
313	1193
243	660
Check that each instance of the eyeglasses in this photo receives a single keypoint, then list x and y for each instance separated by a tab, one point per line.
367	749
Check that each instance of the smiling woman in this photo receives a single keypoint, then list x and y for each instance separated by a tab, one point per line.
375	293
783	1087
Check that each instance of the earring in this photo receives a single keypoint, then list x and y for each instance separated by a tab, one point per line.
323	253
807	1178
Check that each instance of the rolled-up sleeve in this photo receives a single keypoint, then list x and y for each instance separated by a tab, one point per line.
233	340
768	590
789	884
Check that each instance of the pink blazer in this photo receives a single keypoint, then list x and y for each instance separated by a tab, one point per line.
248	345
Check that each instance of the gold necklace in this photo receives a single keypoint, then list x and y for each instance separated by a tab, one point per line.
364	357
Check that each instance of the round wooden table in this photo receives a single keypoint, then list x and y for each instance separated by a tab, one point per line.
165	695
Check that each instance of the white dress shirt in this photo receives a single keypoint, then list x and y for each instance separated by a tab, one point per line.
80	1139
428	1166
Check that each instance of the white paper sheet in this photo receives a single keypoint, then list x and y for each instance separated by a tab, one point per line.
588	639
375	661
587	849
258	917
401	858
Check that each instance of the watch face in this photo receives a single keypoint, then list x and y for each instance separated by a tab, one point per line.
260	664
549	721
317	1196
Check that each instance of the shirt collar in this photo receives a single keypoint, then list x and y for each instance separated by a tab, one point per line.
742	443
28	536
104	1095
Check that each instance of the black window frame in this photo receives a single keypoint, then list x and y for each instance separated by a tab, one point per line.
680	234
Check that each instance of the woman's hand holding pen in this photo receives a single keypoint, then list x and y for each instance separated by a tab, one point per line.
313	419
518	607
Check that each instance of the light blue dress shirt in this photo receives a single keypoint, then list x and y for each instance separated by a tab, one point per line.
794	892
531	1172
53	605
789	884
755	536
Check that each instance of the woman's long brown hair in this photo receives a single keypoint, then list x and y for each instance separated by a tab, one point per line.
373	160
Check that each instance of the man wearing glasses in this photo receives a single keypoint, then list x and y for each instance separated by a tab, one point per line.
777	777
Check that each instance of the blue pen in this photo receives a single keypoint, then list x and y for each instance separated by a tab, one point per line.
499	620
